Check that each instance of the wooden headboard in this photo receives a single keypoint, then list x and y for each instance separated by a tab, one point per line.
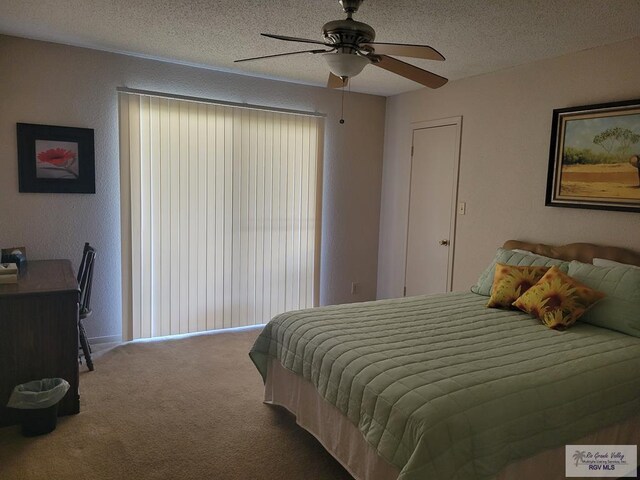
582	252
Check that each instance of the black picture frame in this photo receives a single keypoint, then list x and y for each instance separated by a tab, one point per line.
600	175
54	159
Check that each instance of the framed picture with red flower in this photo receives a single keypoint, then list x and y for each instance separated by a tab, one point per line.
54	159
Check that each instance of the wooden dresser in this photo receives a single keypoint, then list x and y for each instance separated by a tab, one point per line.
39	332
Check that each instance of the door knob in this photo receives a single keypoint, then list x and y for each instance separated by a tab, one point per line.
444	242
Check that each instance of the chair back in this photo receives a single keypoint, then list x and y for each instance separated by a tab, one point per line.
85	278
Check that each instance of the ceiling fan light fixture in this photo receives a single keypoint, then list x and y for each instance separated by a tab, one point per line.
349	45
345	64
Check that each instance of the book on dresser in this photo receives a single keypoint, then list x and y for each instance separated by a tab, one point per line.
8	273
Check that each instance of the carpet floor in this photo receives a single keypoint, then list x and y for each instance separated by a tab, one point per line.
189	408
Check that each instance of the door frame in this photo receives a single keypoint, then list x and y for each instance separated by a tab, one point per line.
443	122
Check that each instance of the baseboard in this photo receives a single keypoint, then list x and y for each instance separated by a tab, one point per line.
118	338
106	339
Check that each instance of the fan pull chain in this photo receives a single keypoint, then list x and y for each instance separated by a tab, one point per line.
342	105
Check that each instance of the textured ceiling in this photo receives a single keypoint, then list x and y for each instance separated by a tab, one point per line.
476	36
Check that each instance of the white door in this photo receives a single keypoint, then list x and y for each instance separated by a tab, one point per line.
434	167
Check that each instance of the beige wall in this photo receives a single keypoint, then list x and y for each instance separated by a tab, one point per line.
61	85
503	165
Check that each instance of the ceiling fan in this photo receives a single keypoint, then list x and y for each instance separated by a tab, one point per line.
349	47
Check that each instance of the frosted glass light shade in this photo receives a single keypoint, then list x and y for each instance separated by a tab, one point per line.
345	64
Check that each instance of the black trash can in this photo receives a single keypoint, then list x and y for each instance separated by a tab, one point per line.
39	421
38	403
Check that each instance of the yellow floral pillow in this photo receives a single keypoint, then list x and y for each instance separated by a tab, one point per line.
557	299
511	281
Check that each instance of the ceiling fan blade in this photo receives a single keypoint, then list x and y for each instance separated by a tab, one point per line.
404	50
411	72
336	81
279	55
294	39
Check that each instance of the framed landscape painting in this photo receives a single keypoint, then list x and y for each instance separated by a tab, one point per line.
55	159
594	156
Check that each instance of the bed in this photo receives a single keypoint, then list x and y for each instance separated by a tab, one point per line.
441	387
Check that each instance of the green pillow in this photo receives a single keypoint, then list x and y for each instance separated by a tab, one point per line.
511	257
620	309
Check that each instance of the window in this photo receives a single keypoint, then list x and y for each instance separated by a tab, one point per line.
220	214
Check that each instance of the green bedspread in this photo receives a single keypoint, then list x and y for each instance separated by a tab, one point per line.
444	388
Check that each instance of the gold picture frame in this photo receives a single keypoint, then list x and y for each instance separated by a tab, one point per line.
593	161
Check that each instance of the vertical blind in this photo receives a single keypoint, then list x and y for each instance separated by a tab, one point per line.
220	214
